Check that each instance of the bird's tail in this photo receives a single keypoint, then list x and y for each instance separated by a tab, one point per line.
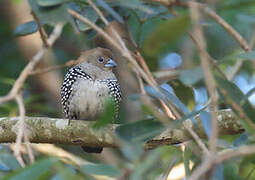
92	149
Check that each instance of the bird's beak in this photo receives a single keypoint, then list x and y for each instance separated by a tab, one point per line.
110	63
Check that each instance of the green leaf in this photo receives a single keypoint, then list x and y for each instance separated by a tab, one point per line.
100	169
184	92
231	171
247	55
26	28
139	131
186	159
234	97
234	93
191	76
108	114
90	14
33	171
148	27
9	160
164	34
49	3
134	26
155	163
50	15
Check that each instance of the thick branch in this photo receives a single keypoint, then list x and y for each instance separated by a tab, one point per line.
77	132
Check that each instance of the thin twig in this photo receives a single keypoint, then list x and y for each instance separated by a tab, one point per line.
209	79
100	14
52	68
41	31
30	66
196	138
21	129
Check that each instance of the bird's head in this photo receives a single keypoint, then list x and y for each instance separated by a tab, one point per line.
99	57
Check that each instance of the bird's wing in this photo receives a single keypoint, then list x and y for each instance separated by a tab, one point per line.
71	76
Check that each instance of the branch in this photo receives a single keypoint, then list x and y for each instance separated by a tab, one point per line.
77	132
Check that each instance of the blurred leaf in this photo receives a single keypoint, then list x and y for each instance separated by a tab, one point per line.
139	131
134	4
155	162
90	14
243	139
247	55
26	28
234	93
132	150
110	10
50	15
100	169
167	96
134	25
248	94
206	122
33	171
49	3
3	167
218	173
191	76
186	159
184	93
231	171
9	160
170	61
108	114
164	34
148	27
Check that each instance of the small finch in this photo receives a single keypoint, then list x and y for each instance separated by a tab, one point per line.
87	86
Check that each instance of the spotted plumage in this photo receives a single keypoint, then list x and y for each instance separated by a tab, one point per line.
72	75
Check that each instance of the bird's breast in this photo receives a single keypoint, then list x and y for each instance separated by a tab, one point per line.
88	99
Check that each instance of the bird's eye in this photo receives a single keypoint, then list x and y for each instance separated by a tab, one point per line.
101	59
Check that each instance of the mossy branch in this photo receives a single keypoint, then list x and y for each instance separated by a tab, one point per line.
77	132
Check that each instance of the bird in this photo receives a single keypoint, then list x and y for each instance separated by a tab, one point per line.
87	85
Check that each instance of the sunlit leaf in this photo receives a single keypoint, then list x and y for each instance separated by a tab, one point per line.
164	34
26	28
100	169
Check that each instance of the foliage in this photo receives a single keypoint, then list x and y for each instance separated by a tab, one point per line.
157	33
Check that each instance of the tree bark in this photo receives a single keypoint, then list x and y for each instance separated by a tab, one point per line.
78	132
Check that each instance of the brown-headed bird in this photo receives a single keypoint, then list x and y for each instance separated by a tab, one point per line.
87	86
